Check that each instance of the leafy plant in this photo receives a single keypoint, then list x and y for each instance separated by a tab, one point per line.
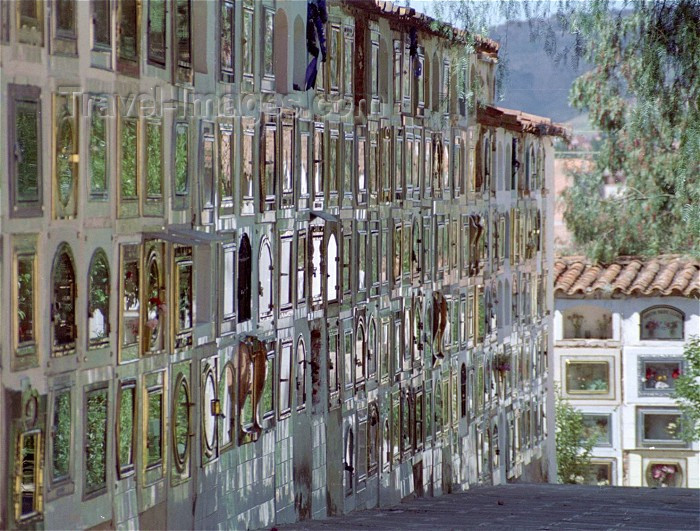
573	448
687	391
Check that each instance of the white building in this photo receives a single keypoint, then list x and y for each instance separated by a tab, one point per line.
619	332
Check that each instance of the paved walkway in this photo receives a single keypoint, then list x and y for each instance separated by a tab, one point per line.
532	506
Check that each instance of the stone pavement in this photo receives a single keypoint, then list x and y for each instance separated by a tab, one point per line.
532	506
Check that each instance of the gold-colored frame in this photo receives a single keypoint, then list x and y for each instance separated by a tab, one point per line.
153	383
38	477
25	355
70	348
125	470
131	350
182	464
210	451
576	393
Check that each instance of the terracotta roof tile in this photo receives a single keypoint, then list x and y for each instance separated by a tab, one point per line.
666	275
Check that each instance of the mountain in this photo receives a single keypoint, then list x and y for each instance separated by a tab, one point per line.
534	80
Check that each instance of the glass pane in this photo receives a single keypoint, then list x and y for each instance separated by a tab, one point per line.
131	304
247	42
126	427
359	358
333	363
287	159
96	440
661	427
662	323
29	445
183	29
660	375
66	169
587	377
268	39
270	161
285	375
156	304
184	296
156	31
154	162
268	392
101	22
61	431
229	292
597	427
301	267
98	309
128	30
227	406
208	412
25	299
97	149
225	170
664	475
316	268
348	358
182	423
332	274
226	42
207	178
129	128
154	428
26	151
247	181
182	142
285	272
301	374
63	309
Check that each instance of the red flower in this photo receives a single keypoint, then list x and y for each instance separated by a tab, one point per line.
651	373
676	373
155	301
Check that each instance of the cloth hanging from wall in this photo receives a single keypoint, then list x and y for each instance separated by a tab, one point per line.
316	17
413	52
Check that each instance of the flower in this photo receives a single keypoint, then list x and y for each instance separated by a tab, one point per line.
651	326
676	373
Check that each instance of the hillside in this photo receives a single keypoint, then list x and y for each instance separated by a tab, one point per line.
535	82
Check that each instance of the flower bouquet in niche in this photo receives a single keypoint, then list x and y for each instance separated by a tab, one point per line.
663	475
501	363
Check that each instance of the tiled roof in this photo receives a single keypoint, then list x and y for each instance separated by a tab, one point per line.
666	275
520	121
425	22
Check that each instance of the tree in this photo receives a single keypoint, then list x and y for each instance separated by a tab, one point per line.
642	93
687	391
572	447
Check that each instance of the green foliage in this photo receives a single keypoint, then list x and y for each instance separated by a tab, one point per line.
643	94
61	435
154	164
128	158
181	159
98	151
27	151
96	440
126	427
687	391
572	447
